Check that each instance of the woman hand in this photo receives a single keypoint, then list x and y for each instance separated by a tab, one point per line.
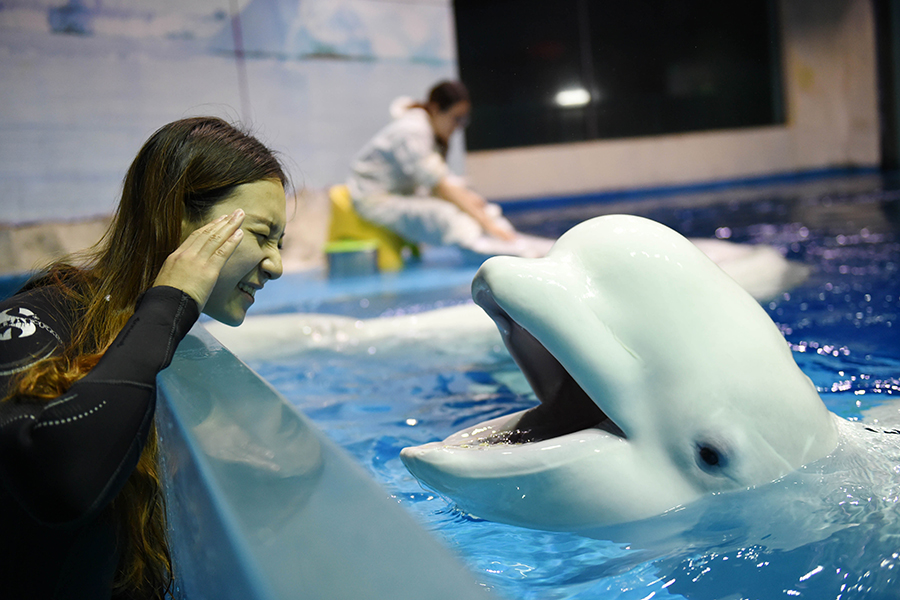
195	265
474	205
492	228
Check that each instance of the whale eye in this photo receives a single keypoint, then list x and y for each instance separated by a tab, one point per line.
709	457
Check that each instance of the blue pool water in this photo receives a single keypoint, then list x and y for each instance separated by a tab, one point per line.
831	530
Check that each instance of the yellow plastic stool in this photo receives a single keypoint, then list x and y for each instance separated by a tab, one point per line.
346	224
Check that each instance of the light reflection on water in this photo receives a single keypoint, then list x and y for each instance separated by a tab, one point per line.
836	523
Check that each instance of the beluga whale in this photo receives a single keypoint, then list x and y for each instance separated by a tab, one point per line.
661	381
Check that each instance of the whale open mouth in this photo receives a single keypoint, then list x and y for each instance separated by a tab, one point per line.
565	407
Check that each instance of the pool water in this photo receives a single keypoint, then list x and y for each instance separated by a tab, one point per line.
831	530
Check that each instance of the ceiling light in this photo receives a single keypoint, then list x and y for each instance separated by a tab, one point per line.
573	97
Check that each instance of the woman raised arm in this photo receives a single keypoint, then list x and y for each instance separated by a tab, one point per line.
198	229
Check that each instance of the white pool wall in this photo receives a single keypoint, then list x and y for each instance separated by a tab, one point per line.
262	505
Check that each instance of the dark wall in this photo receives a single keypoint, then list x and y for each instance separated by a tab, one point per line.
887	31
650	67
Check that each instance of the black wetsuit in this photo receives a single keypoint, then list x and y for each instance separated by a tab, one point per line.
63	461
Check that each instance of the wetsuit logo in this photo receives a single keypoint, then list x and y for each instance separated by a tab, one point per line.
19	320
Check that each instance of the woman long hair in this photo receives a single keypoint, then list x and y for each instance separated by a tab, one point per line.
176	180
443	96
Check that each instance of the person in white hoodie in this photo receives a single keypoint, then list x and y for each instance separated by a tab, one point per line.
401	181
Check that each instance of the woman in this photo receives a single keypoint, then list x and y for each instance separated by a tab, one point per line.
198	229
400	180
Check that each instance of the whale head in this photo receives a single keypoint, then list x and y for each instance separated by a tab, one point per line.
660	379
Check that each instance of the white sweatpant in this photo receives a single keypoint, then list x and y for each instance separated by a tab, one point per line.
429	220
421	219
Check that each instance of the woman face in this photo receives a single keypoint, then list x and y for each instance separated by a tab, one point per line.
257	258
445	122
